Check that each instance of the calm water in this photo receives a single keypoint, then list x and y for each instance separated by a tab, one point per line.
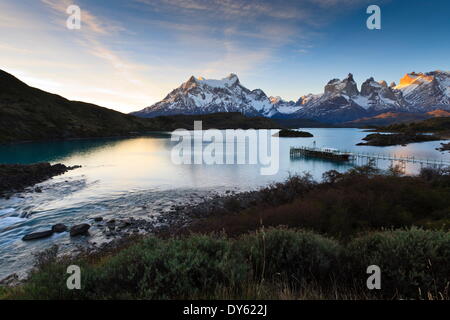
136	177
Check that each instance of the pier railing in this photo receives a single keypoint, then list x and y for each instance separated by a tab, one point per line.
355	156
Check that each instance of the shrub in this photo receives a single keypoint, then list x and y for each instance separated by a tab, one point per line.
296	255
412	262
344	206
49	281
167	269
285	192
436	176
232	204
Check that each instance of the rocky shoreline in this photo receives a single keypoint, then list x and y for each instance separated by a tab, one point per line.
16	177
178	217
121	231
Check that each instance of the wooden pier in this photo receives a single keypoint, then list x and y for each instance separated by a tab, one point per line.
323	153
346	156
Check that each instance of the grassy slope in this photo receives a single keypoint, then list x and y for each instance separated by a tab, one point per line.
28	113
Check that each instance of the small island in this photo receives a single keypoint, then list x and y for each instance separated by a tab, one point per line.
403	133
381	140
286	133
444	147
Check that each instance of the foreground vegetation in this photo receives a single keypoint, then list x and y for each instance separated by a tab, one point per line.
274	263
303	240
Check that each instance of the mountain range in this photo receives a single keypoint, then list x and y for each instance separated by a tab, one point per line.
340	102
28	113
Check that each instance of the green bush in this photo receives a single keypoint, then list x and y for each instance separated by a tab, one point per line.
160	269
287	191
296	255
413	262
151	269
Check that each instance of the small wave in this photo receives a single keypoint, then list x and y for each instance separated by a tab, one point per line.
6	211
9	221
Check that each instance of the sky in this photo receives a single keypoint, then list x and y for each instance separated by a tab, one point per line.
130	54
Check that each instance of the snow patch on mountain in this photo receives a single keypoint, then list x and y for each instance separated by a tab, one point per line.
229	81
426	90
200	95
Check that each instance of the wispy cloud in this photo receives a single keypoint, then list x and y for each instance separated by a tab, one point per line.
339	3
11	48
231	8
235	59
240	27
240	34
91	37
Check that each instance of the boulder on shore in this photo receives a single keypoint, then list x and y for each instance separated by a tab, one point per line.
59	227
79	229
37	235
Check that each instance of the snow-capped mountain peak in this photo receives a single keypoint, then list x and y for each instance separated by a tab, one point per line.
346	87
376	95
342	101
414	79
426	90
200	95
275	100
